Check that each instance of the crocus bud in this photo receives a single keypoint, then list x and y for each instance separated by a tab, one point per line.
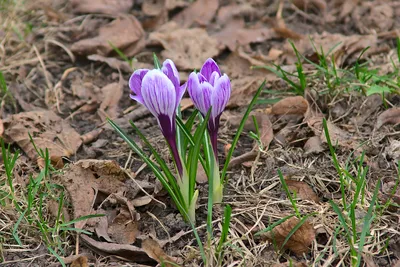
160	92
209	88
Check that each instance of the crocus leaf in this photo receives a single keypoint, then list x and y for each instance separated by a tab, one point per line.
174	194
195	151
160	161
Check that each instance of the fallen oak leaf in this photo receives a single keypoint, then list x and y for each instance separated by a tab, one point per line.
299	242
153	249
125	33
200	12
47	130
83	178
290	105
188	48
391	116
302	190
126	252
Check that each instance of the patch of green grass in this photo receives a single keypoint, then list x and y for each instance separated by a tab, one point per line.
30	205
360	77
353	185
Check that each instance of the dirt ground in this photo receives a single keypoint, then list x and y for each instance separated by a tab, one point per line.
66	65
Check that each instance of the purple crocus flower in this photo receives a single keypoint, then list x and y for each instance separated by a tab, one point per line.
159	90
209	88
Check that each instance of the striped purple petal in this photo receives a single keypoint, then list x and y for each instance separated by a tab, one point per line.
159	94
135	84
220	95
200	93
208	68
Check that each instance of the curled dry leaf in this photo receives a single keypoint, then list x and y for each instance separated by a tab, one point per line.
200	12
111	7
299	242
290	105
153	249
390	116
188	48
86	177
47	130
126	252
125	33
302	190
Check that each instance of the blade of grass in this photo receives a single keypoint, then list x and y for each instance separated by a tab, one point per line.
239	132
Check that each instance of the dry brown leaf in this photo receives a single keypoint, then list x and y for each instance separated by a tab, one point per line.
111	7
226	13
125	33
299	242
302	190
127	252
86	177
339	136
391	116
155	7
89	137
289	132
153	249
188	48
82	261
47	131
347	7
313	145
235	34
266	131
200	12
237	161
319	5
55	161
111	94
141	201
290	105
123	230
283	31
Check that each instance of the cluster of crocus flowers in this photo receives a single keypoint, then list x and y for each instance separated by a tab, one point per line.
160	91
